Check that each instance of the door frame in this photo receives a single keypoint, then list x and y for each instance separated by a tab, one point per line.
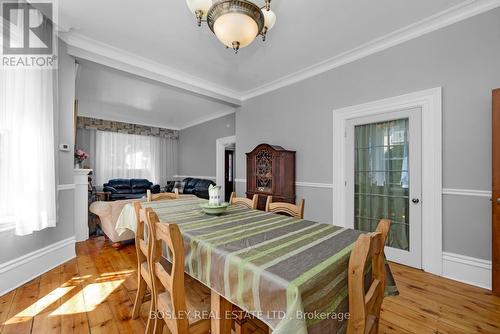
430	102
219	160
495	194
413	257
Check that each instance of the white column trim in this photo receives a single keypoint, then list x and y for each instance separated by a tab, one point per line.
430	102
68	186
81	204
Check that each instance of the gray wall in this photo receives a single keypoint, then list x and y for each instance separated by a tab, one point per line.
12	246
463	58
197	146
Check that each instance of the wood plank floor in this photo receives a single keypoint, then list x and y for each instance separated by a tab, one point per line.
94	293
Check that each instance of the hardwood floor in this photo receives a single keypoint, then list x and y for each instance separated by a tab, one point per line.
94	294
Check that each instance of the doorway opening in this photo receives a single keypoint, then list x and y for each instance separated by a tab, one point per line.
225	165
229	170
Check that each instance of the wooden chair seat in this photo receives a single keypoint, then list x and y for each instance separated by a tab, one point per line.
197	299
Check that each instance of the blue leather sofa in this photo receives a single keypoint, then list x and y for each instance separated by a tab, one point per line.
197	187
129	188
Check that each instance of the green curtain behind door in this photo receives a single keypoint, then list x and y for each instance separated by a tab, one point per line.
381	179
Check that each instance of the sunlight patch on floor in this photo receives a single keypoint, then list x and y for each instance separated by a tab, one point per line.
39	305
87	299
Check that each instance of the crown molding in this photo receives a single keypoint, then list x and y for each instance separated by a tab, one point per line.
80	46
440	20
206	119
86	48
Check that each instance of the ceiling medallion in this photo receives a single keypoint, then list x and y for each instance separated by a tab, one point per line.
236	23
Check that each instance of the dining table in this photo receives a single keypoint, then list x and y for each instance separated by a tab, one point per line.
290	273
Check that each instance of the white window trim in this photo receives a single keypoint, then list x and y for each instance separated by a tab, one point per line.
430	102
6	225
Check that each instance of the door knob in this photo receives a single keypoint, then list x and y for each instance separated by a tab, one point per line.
498	200
416	200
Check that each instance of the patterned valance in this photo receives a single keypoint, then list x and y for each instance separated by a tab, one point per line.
133	129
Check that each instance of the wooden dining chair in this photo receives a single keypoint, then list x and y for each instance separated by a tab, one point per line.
365	305
180	299
162	196
249	203
144	282
286	208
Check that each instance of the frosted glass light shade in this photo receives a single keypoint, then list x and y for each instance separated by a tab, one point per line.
235	27
269	19
203	5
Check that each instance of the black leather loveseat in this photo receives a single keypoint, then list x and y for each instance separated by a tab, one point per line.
129	188
197	187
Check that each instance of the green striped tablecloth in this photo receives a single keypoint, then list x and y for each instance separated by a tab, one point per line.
290	273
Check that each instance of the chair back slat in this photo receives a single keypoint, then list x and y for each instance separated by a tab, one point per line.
163	276
162	196
364	308
173	282
249	203
371	296
286	208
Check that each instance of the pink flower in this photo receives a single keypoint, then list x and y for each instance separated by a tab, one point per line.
81	155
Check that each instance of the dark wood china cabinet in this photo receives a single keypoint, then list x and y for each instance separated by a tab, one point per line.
271	172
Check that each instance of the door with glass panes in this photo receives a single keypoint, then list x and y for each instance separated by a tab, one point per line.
383	164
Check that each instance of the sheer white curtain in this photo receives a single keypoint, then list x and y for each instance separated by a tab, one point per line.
27	162
120	155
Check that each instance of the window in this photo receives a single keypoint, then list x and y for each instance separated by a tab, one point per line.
121	155
27	156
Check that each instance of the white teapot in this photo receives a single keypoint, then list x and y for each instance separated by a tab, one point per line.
214	195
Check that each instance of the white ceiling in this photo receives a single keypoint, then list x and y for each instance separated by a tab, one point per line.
306	32
109	94
159	40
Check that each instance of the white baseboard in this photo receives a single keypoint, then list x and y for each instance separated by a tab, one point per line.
23	269
467	270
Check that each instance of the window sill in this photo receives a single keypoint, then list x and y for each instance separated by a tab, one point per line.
5	227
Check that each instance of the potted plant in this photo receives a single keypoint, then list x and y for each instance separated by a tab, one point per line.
80	156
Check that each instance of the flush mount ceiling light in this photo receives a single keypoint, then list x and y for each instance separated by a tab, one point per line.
236	23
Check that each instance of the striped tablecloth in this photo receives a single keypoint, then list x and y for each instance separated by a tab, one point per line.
290	273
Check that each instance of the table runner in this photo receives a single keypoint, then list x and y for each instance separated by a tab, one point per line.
290	273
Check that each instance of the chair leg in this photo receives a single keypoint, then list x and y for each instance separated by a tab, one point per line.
139	297
150	323
245	328
237	328
159	324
